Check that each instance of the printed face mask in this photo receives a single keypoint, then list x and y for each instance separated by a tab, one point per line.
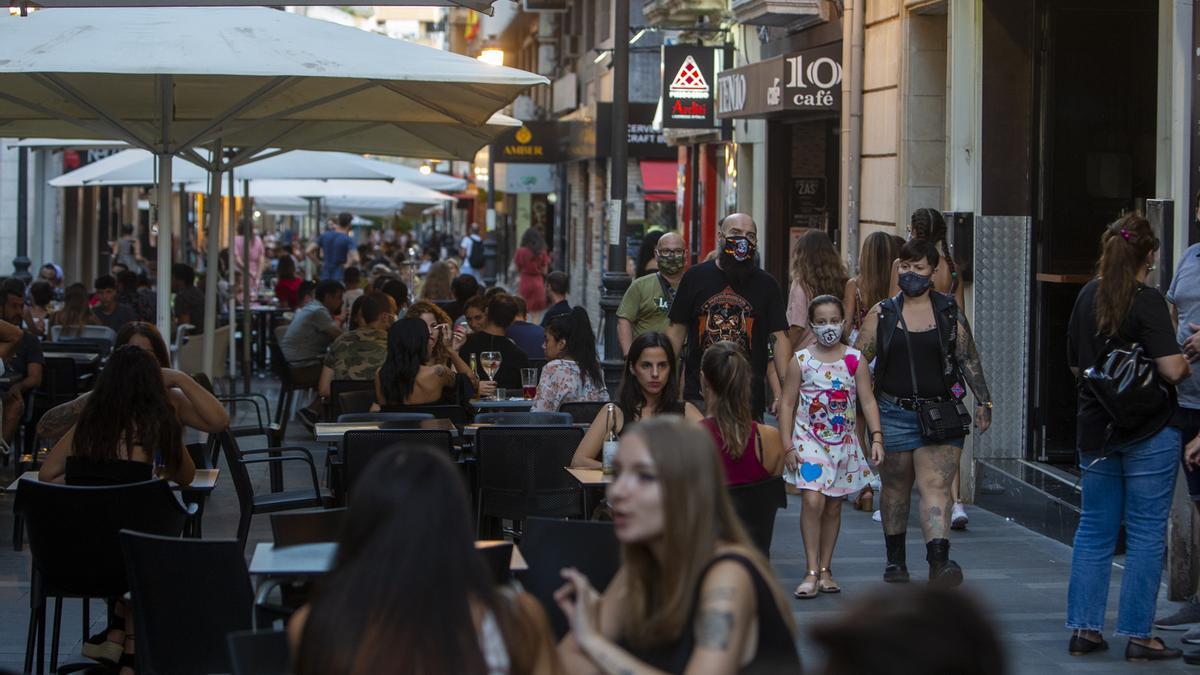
670	264
829	334
913	284
739	248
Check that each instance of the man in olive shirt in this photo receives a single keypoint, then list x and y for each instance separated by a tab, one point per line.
648	299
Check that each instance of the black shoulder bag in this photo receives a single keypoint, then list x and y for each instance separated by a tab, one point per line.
938	420
1125	382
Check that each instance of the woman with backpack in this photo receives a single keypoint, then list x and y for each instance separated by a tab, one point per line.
1127	450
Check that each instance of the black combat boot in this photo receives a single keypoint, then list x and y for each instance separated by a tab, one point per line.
896	571
943	571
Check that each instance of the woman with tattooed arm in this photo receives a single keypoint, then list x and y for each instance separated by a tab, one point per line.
692	595
926	354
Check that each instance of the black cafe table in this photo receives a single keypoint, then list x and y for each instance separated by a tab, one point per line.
313	560
502	405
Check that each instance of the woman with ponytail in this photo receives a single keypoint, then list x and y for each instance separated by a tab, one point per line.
750	452
573	371
1128	469
929	225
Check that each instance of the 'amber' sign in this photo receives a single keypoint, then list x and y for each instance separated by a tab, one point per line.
533	143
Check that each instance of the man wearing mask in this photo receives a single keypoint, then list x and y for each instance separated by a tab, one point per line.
730	298
647	303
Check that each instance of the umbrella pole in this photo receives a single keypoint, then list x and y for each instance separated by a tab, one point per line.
212	266
165	193
247	233
233	362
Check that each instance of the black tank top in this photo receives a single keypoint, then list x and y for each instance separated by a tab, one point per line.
776	651
113	472
927	358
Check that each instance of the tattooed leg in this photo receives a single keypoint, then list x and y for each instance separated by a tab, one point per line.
897	474
936	466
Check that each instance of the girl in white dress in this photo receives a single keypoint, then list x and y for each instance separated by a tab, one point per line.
825	460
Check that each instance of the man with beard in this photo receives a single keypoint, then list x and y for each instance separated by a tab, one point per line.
730	298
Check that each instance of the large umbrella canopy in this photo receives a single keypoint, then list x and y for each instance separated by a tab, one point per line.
398	191
484	6
66	144
247	76
136	167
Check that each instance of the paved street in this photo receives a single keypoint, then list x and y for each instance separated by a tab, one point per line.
1020	577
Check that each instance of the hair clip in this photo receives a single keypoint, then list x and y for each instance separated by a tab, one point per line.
1126	233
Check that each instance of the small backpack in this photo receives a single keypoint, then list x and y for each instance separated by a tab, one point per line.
475	257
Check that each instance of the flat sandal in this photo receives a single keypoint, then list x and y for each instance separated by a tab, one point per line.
811	591
830	586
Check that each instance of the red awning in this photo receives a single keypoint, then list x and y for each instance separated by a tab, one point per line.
658	180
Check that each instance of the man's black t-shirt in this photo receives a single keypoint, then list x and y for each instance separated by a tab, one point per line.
1148	324
512	359
713	310
28	351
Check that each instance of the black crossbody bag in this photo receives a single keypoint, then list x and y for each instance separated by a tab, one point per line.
938	420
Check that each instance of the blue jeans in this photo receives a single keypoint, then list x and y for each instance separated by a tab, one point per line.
1133	483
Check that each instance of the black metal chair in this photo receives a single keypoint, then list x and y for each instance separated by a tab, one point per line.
309	526
497	558
524	418
75	546
455	413
756	504
359	446
250	503
521	473
582	412
263	652
209	578
271	430
550	544
338	388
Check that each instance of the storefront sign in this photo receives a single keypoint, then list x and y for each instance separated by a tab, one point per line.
808	201
689	73
533	143
545	5
590	133
809	80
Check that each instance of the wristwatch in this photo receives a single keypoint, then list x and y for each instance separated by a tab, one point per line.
984	404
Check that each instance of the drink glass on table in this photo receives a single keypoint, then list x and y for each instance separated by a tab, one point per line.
490	361
529	381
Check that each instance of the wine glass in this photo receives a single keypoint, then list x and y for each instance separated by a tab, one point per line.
490	361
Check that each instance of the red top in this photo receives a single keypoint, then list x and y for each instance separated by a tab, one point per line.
745	469
532	267
286	290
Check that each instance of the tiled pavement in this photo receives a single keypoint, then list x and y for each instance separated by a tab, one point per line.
1020	577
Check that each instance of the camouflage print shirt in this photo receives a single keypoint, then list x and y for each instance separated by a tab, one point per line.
357	355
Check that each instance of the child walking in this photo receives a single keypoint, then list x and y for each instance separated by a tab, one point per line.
825	459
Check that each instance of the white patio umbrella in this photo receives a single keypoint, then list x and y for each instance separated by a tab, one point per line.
398	190
484	6
172	80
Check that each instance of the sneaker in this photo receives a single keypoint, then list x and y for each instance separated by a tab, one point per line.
1188	616
876	517
958	517
1192	637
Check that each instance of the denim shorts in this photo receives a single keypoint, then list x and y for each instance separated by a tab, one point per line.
902	430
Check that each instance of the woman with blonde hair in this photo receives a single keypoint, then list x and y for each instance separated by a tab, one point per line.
437	282
692	593
433	316
817	269
871	286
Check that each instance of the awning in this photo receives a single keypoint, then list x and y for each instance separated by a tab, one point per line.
658	180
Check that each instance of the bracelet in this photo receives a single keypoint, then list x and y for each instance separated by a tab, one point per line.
874	433
984	404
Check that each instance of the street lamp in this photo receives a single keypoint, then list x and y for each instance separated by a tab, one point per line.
492	56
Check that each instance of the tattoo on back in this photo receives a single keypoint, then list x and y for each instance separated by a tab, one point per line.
713	628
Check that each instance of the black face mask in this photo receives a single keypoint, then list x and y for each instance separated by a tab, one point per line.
913	284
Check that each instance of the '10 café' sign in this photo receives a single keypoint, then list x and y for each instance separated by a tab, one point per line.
804	81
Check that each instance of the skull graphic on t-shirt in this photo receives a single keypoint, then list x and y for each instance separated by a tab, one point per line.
726	316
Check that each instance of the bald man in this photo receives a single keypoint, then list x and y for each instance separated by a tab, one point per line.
731	298
647	302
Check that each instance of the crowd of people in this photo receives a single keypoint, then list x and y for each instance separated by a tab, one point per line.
843	387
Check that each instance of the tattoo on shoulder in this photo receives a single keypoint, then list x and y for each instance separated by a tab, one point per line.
714	628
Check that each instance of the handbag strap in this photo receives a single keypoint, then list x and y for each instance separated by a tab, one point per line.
667	291
912	366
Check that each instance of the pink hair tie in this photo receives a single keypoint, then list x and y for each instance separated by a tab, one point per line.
1125	233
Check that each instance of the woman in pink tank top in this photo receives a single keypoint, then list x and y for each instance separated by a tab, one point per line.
750	452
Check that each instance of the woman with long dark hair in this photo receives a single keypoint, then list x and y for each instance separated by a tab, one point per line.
434	316
692	594
407	377
817	269
750	452
649	387
532	262
287	283
408	593
1128	465
573	371
872	285
646	261
75	312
